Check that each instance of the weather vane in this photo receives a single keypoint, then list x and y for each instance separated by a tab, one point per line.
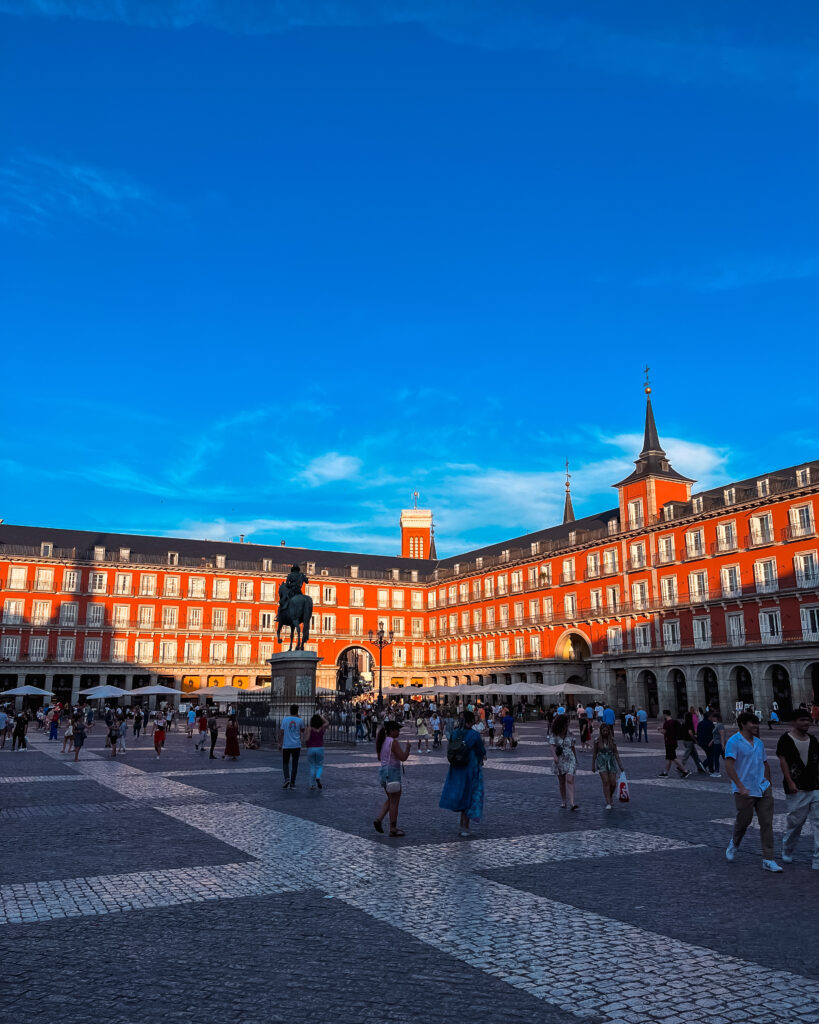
568	475
648	382
415	497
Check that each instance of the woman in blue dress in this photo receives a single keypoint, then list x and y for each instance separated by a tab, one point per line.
463	789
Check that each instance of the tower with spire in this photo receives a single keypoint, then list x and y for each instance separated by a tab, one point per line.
568	511
654	483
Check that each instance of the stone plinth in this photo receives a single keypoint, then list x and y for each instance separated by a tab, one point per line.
293	676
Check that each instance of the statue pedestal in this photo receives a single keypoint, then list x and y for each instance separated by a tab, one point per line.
293	677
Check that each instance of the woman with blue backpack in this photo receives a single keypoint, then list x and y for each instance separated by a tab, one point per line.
463	789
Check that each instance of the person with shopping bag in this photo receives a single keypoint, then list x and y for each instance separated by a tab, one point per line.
622	789
606	761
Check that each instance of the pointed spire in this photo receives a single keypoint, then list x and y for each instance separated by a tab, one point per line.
568	511
653	461
651	441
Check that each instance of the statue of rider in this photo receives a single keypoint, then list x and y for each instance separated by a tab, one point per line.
287	591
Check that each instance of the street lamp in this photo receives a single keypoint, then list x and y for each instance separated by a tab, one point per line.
380	640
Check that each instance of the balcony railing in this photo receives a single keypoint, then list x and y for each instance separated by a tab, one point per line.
798	531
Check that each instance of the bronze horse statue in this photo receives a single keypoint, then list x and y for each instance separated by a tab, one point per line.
295	612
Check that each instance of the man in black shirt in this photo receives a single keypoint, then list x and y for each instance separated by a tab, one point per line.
798	754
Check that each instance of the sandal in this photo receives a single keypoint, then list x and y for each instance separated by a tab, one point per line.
397	832
378	826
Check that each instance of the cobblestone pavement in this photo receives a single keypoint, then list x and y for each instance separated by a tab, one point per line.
172	889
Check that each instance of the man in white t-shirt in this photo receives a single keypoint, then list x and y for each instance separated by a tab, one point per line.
747	766
290	738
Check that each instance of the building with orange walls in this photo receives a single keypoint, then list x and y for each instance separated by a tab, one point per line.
671	597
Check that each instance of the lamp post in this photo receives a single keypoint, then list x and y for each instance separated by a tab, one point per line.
381	641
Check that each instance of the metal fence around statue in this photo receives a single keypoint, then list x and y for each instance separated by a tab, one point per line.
262	719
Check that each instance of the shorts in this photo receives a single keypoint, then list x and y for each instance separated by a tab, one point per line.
670	751
389	773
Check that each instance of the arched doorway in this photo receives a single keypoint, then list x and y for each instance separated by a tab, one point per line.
620	690
573	646
742	685
354	670
813	675
648	682
780	683
710	685
677	679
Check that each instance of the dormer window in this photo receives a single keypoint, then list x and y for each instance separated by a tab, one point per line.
220	561
46	549
535	547
99	553
173	558
479	562
803	477
125	554
310	568
505	555
729	495
763	488
612	526
456	568
696	504
267	565
573	536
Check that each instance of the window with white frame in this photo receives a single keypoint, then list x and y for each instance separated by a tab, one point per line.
593	565
145	616
463	591
637	553
490	649
268	591
41	613
266	620
635	514
476	650
501	581
242	653
488	587
735	629
220	561
383	599
801	520
328	595
639	595
531	578
763	488
65	648
121	615
119	650
418	627
702	631
397	625
98	583
37	648
695	543
567	571
92	649
517	580
546	575
265	652
547	610
729	495
44	579
642	637
490	616
418	656
727	536
671	635
534	646
243	617
147	585
244	590
810	622
328	623
356	597
451	594
167	652
196	586
770	626
803	477
194	618
193	652
807	569
221	589
417	599
218	652
698	586
173	558
518	613
668	590
504	648
520	648
397	598
464	652
399	656
731	581
765	576
596	600
612	598
10	649
762	529
612	525
453	622
71	581
17	577
534	608
504	614
170	616
218	618
69	613
95	615
99	553
696	505
313	591
357	625
46	549
614	639
665	549
122	583
433	655
610	560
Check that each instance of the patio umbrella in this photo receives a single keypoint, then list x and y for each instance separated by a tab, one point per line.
224	692
577	690
26	691
150	691
103	692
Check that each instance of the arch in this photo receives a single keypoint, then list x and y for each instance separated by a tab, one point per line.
779	683
679	691
573	645
354	669
709	683
742	684
812	680
647	680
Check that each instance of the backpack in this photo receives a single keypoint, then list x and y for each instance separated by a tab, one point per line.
457	751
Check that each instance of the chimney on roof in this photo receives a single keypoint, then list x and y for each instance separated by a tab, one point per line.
282	544
241	538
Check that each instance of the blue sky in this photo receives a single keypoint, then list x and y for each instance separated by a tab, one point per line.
268	268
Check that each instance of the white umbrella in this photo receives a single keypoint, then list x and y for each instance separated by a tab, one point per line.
27	691
223	692
574	689
103	692
150	691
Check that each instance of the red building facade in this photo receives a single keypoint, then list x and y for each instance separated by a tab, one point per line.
669	598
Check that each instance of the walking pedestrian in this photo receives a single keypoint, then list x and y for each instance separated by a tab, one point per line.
422	732
314	742
798	753
18	733
435	725
213	732
642	724
4	727
747	766
565	759
508	730
490	727
203	731
191	716
139	718
159	733
463	787
231	739
689	739
123	732
391	755
68	738
630	726
716	748
54	724
606	761
670	730
290	738
80	729
113	736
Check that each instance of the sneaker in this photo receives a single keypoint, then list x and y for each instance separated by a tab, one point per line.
286	785
771	865
685	775
464	834
715	775
663	775
608	807
786	857
731	852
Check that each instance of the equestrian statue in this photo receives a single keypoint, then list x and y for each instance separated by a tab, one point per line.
295	609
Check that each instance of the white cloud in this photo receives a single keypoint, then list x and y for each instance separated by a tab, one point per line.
329	468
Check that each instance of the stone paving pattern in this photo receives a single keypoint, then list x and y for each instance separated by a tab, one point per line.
184	887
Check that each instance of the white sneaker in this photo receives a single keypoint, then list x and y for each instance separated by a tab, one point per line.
608	807
771	865
786	857
715	775
731	852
